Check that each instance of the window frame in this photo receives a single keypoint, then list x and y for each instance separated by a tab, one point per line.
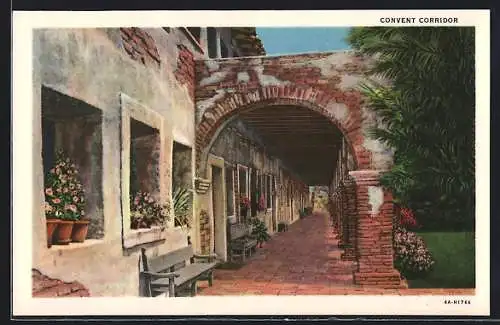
133	109
192	38
229	174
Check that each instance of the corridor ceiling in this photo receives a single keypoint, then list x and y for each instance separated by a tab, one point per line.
306	141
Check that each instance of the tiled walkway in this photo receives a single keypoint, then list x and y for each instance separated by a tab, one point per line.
305	260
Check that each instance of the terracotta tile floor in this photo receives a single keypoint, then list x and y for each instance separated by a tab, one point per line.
305	260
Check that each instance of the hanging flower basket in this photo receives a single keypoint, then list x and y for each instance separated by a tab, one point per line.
244	205
261	202
201	185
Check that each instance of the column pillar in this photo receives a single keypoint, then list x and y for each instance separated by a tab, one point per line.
341	227
350	218
337	213
374	233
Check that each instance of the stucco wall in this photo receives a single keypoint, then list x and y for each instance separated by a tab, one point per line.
91	65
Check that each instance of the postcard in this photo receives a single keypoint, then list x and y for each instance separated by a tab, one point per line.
254	163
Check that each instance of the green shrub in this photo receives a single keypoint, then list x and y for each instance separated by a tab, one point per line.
259	231
412	258
182	207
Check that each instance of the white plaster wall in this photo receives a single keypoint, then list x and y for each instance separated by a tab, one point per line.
87	64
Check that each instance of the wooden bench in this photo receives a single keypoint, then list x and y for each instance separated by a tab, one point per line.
170	272
241	242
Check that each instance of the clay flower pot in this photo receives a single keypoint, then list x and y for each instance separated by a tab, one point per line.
80	229
51	227
63	232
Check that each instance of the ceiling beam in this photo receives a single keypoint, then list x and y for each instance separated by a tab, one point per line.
301	146
297	131
285	122
282	116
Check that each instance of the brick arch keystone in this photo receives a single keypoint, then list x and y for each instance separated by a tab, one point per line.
216	117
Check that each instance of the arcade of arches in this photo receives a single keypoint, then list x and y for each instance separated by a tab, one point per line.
305	111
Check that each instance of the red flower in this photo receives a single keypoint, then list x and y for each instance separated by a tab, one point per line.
244	202
262	202
408	218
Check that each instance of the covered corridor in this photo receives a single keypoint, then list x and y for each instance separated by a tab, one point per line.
305	260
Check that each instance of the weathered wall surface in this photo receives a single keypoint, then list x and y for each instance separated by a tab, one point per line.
95	66
237	144
327	82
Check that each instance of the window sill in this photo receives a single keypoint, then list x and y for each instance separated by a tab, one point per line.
75	246
138	237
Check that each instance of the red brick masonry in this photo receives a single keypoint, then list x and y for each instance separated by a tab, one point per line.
45	287
185	69
140	46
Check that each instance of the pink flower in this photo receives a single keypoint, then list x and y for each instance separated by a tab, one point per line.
56	200
58	171
49	191
73	208
65	190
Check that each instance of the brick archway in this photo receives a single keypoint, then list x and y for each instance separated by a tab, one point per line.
368	224
343	109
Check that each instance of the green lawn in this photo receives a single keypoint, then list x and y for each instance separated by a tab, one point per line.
454	255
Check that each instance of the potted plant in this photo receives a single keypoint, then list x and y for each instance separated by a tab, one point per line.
51	220
259	231
80	230
64	201
146	212
182	209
